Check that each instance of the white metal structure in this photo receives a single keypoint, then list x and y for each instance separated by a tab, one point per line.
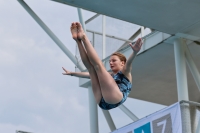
156	58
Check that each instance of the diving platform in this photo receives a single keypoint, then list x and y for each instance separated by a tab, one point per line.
171	17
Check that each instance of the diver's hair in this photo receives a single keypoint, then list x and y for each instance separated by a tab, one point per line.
121	56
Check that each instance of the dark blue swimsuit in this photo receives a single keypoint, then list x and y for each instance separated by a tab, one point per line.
125	87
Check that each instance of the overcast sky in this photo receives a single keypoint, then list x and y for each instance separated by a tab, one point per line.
34	95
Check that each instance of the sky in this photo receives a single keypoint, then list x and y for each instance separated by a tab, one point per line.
34	95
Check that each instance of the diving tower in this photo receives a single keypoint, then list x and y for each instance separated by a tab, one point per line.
160	73
179	19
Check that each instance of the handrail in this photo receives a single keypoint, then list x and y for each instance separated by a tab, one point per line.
189	102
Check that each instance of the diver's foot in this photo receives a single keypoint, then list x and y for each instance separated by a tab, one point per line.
81	33
74	31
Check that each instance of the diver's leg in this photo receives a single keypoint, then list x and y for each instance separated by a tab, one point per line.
109	89
92	54
88	65
93	76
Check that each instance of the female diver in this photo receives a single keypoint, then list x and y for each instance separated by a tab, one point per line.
110	89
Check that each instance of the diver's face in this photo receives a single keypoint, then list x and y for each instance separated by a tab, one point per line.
115	63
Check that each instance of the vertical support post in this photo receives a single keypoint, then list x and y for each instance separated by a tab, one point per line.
51	34
81	19
104	36
93	112
142	35
109	120
193	116
92	102
93	38
182	86
142	31
128	112
181	74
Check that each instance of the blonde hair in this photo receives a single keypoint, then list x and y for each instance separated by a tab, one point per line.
121	56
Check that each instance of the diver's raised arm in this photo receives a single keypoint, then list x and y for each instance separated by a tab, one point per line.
136	48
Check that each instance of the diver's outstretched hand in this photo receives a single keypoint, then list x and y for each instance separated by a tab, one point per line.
66	72
137	46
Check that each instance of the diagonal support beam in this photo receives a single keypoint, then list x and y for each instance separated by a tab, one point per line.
192	66
109	120
92	18
128	112
51	34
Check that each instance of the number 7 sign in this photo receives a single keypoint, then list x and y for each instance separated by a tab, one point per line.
162	124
